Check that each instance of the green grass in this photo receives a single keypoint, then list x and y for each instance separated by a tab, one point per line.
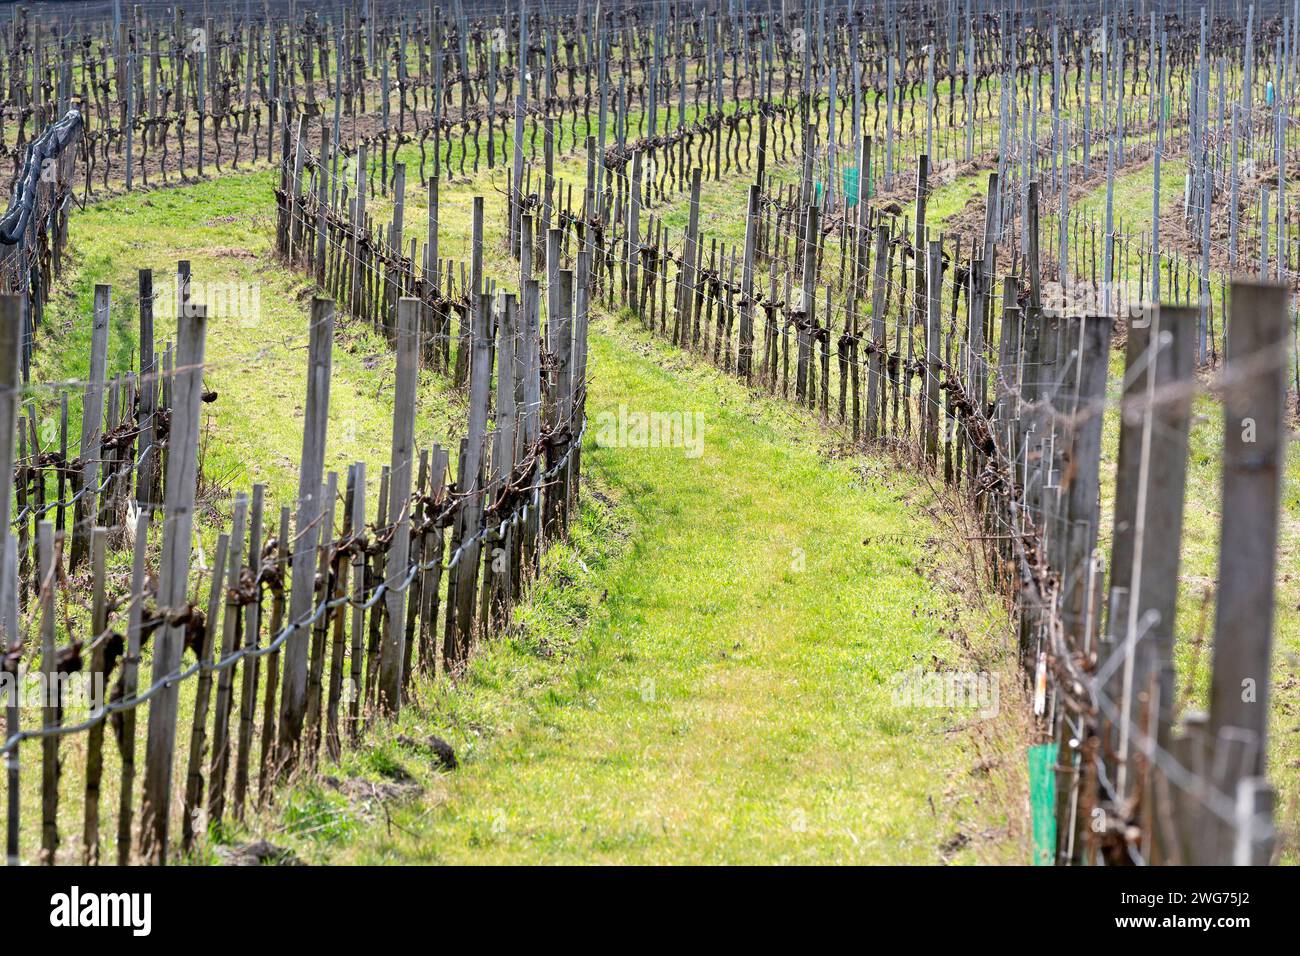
704	674
714	683
675	634
256	360
1193	650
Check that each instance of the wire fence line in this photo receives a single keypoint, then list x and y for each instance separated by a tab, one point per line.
1052	397
941	353
841	295
966	370
352	605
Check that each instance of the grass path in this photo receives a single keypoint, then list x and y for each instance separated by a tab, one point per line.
729	698
256	363
707	675
257	332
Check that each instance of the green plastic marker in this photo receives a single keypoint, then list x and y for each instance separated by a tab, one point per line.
851	185
1042	800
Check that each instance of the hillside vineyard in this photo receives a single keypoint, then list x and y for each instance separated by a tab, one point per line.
650	432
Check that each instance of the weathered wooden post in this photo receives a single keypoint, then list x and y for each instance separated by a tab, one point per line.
532	411
686	274
92	425
321	226
933	410
521	113
190	808
876	351
578	378
562	344
248	686
320	625
129	125
231	623
95	736
916	315
293	703
357	626
11	333
182	480
51	710
554	256
1254	446
503	451
130	670
744	357
1147	538
358	217
1081	477
146	485
806	311
403	448
632	244
471	513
